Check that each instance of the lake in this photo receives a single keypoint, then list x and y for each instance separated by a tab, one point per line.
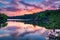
16	30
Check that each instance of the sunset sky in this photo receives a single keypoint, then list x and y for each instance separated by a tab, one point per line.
21	7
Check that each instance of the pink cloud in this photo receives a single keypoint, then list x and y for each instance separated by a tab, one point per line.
22	12
18	7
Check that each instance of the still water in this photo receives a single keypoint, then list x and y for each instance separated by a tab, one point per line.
22	31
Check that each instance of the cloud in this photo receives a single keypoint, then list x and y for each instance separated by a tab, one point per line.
52	4
4	2
29	4
21	7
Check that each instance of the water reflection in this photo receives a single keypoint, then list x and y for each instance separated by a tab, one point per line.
25	30
32	22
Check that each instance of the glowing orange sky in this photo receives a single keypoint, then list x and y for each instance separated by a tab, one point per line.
22	12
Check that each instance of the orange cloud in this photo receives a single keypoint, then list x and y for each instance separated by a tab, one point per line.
22	12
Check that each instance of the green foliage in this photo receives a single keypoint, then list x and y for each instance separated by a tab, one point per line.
49	19
4	24
3	19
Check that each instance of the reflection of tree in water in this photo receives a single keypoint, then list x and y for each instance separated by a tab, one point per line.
34	23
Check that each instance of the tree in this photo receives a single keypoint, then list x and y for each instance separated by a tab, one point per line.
50	19
3	20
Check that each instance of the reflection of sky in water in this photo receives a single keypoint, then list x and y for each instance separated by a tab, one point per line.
16	29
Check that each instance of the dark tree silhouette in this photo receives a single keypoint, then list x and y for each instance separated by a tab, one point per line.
3	20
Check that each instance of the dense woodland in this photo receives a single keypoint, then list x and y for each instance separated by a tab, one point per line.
50	19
